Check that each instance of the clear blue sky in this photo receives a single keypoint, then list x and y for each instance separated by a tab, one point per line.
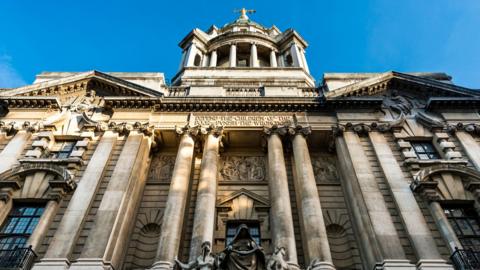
343	36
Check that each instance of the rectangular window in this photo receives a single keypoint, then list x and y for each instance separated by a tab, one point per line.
62	149
253	229
464	221
425	150
19	225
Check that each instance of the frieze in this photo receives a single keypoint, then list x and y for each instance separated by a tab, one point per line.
161	168
241	168
243	120
324	168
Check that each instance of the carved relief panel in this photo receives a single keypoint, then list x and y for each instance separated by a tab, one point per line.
161	168
242	168
324	168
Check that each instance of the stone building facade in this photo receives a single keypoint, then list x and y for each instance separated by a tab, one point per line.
243	163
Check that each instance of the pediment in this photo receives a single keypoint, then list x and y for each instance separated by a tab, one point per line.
420	86
257	200
91	83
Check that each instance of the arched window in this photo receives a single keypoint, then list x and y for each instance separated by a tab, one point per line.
197	60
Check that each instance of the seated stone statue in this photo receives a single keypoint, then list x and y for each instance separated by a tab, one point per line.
243	253
206	261
277	260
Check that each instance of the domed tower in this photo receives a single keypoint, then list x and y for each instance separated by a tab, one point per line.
243	54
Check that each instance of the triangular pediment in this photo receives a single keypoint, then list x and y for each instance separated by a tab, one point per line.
257	199
420	86
80	84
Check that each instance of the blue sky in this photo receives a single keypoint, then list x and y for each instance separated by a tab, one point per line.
343	36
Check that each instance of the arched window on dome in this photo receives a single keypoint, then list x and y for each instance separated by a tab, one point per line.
197	60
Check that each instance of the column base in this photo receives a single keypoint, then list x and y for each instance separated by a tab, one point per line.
321	265
433	265
162	265
395	265
91	264
52	264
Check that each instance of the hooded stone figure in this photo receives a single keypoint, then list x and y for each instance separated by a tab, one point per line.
243	253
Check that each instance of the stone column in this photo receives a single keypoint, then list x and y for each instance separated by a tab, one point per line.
470	146
410	213
233	55
304	61
35	240
14	149
204	219
213	59
392	252
115	209
317	249
295	55
192	52
280	209
444	226
254	56
172	224
66	235
273	59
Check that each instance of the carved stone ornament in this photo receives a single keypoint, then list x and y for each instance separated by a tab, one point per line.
324	168
188	129
217	131
298	129
205	261
161	168
240	168
402	105
275	129
277	260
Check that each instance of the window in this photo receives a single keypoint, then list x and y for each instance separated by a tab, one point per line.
425	150
197	60
288	60
19	225
62	149
253	228
465	223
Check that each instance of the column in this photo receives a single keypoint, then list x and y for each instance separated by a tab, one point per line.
444	226
205	60
280	209
470	146
304	61
14	150
362	225
410	213
35	240
213	59
70	226
233	55
295	55
172	223
254	56
385	232
204	218
273	59
116	201
192	52
317	249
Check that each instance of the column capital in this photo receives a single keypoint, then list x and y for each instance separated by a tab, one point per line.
192	131
217	131
275	129
338	130
299	130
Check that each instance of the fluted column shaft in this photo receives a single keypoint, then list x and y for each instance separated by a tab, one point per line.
313	225
280	211
203	222
233	55
172	222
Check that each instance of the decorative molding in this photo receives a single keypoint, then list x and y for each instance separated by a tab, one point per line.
243	169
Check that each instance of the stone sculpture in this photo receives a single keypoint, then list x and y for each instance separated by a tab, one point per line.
206	261
277	260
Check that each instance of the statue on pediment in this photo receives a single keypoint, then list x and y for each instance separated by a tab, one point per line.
242	253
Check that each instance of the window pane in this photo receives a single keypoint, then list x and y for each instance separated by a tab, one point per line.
68	146
29	211
423	156
457	212
418	148
21	225
8	228
63	155
32	225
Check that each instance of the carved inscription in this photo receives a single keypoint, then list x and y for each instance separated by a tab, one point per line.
324	168
242	169
243	120
161	168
